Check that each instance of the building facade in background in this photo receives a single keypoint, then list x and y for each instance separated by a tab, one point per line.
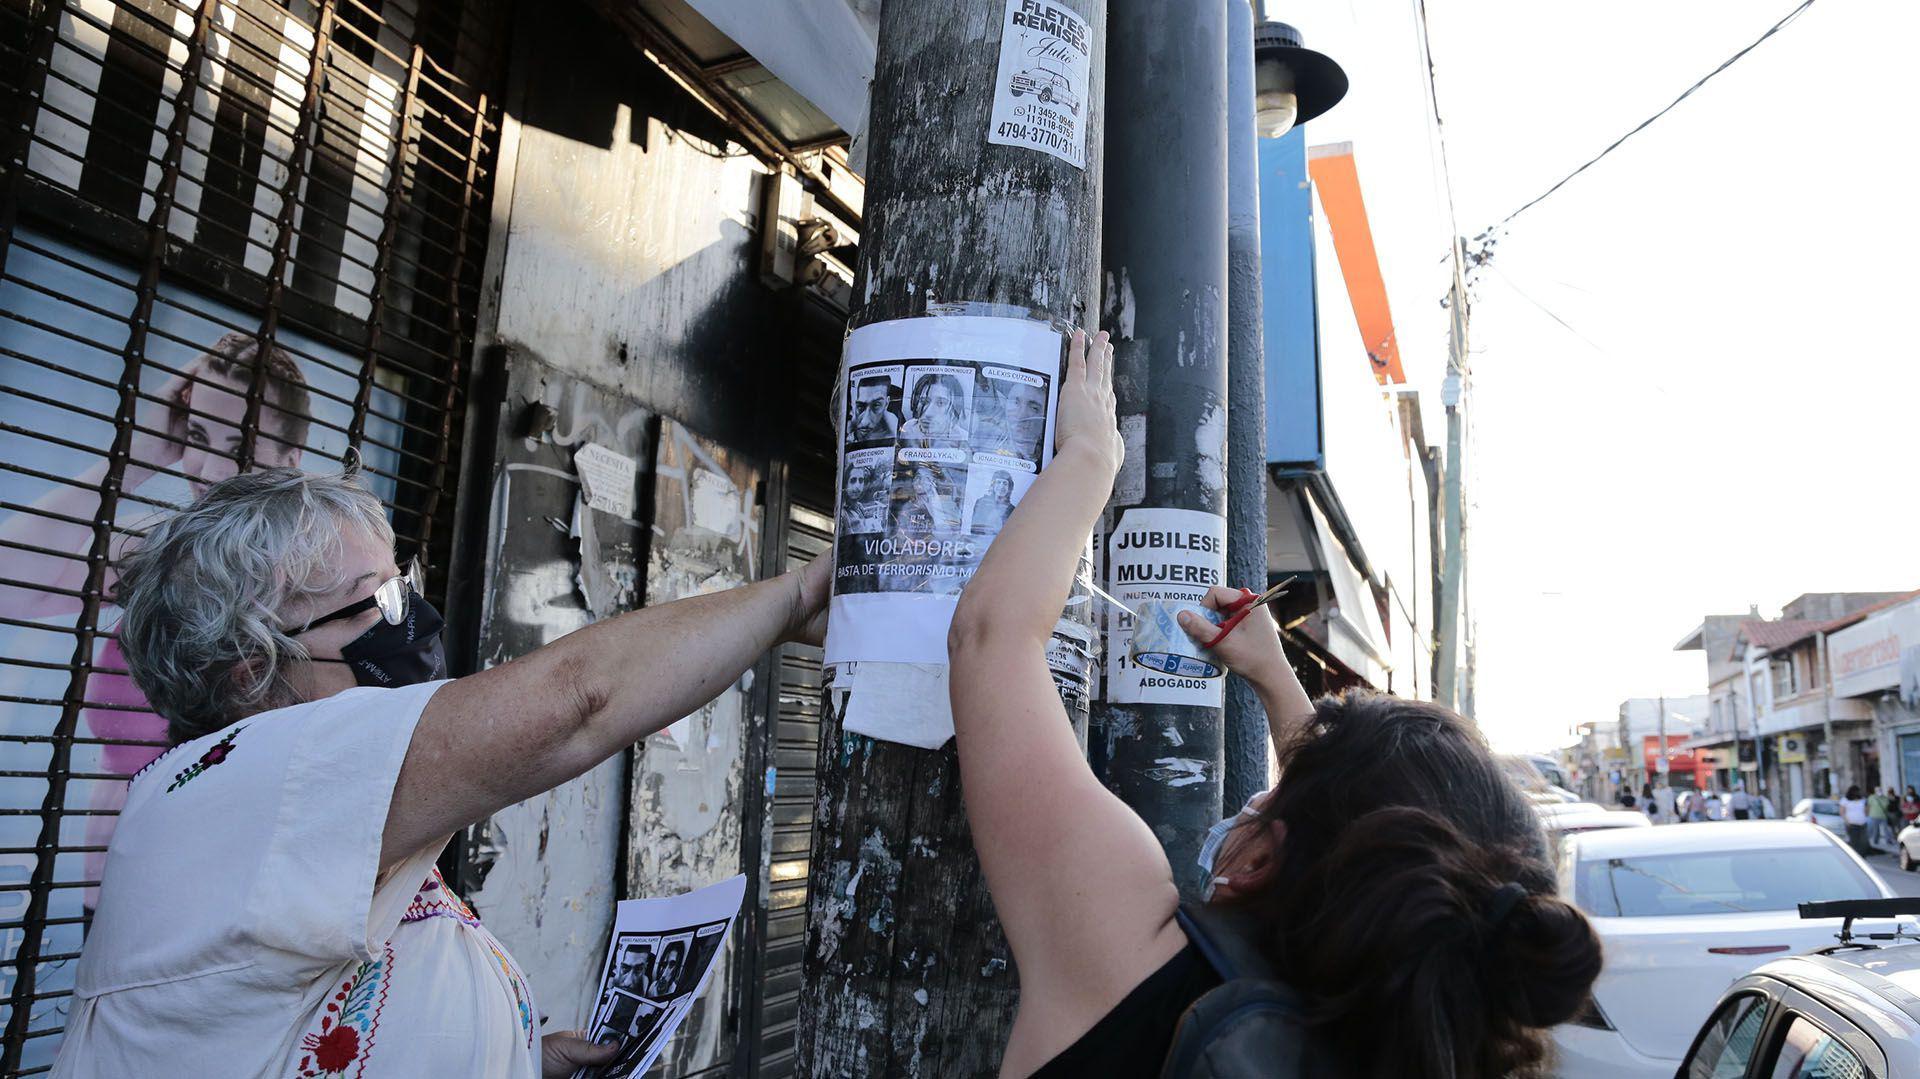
1776	717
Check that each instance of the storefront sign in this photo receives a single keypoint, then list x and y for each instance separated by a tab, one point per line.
1866	658
1674	759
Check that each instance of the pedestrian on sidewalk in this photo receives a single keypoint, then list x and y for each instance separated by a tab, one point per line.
1663	797
1910	806
1853	812
1739	802
1878	833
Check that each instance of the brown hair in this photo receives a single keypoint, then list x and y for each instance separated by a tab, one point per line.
236	355
1389	906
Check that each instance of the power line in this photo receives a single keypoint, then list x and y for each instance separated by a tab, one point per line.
1644	124
1439	137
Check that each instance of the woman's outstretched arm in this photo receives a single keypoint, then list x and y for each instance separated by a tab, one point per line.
1080	883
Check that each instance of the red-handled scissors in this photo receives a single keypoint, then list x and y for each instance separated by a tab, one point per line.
1239	609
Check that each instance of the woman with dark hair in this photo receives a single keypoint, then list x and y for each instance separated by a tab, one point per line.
1853	812
1396	879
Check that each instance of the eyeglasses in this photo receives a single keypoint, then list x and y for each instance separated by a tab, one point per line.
393	598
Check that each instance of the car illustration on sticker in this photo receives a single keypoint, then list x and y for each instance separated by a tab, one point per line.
1046	84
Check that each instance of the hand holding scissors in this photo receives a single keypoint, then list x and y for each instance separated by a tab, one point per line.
1238	610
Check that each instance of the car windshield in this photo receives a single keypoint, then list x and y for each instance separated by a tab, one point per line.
1717	882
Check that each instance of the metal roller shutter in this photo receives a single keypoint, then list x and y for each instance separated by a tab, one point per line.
232	235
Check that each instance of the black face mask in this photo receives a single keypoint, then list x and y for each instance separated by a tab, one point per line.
407	654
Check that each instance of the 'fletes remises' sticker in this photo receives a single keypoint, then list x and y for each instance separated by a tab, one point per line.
1040	92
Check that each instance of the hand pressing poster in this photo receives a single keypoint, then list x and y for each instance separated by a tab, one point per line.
657	964
948	421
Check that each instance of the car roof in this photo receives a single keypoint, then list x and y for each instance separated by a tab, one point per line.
1890	972
1699	836
1603	819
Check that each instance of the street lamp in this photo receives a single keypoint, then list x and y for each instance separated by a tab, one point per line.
1291	83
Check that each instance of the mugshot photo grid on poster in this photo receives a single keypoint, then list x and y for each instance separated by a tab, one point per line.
650	982
972	425
927	484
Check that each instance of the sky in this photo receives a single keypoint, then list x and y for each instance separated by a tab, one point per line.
1725	418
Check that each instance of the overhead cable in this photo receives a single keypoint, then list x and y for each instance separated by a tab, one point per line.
1644	124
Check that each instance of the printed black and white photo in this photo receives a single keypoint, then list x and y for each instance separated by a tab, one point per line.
926	500
873	405
992	492
1010	413
865	491
939	405
927	547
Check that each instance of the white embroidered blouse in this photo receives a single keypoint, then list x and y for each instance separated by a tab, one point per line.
244	928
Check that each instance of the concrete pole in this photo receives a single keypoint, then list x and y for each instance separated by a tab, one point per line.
1666	777
1246	748
1826	716
906	972
1165	263
1446	682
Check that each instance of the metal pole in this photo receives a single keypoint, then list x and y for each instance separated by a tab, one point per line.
1165	300
906	972
1246	749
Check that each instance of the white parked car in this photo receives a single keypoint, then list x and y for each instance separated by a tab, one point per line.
1824	812
1564	824
1683	911
1848	1010
1555	809
1909	843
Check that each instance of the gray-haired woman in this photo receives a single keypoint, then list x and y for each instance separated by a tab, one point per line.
270	904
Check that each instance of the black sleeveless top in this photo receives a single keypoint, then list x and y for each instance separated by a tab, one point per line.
1133	1038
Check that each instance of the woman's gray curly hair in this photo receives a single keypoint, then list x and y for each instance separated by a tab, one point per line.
203	594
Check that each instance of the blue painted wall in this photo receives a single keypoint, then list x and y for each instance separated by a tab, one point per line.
1286	261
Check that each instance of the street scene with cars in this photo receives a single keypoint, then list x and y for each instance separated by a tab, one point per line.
1755	882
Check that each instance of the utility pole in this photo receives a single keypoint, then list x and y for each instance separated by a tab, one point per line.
1161	747
1453	394
1826	717
906	970
1246	748
1665	767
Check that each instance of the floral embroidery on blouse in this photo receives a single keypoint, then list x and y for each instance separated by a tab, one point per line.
436	900
215	754
348	1023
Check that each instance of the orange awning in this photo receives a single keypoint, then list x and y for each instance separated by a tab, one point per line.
1337	180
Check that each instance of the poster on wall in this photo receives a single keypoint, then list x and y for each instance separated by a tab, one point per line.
61	352
1041	87
948	421
1171	556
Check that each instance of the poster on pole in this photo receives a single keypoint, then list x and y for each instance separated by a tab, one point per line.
1171	556
657	964
1040	89
948	420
